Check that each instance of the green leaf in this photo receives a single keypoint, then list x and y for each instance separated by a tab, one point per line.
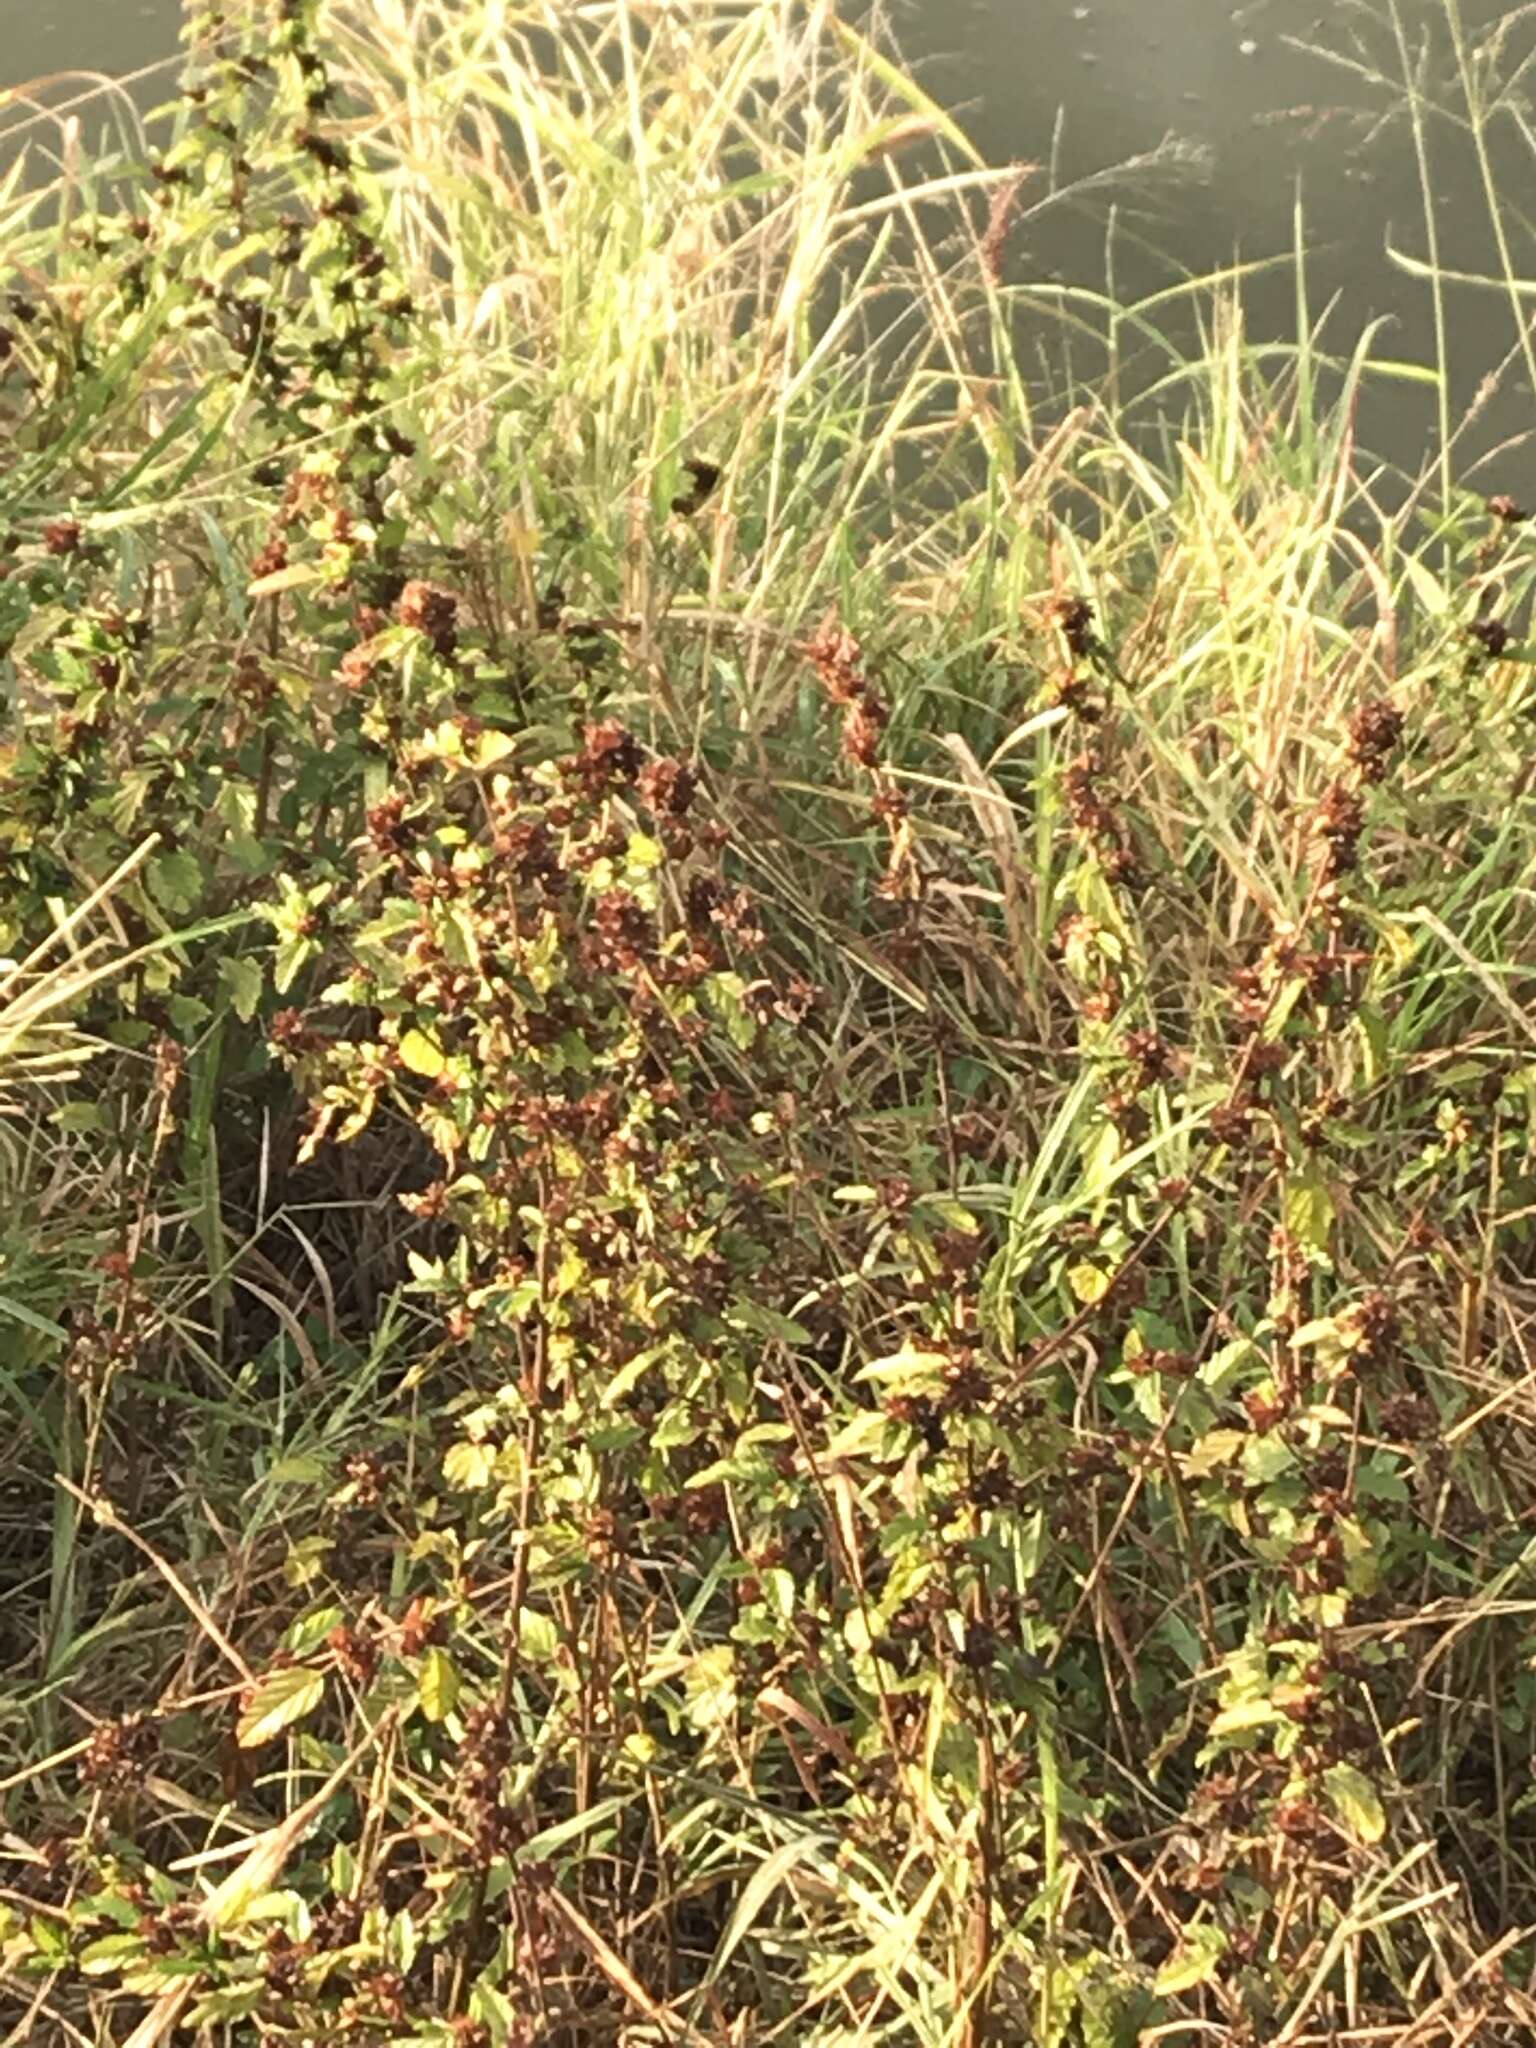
242	980
280	1699
1088	1283
1265	1458
1309	1211
20	1313
537	1637
862	1436
710	1683
1355	1801
419	1055
292	956
439	1684
1243	1716
301	1469
1194	1962
108	1955
908	1370
81	1116
302	1635
766	1322
1379	1479
175	880
1216	1448
467	1467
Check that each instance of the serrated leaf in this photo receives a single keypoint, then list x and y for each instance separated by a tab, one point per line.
439	1684
1355	1801
108	1955
176	880
419	1055
280	1699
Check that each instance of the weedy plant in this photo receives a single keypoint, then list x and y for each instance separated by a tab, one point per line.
791	1300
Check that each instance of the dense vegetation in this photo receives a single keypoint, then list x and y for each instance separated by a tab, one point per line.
771	1116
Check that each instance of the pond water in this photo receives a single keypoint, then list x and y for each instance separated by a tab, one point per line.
1287	98
40	38
1294	105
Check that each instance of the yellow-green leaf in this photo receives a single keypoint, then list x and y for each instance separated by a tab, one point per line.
467	1467
491	747
439	1684
1216	1448
294	577
1193	1962
1244	1716
1354	1800
1088	1283
419	1055
280	1699
1309	1211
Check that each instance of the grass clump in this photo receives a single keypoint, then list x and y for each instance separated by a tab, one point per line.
787	1300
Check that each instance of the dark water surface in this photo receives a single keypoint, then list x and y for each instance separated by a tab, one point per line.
1297	107
41	38
1080	86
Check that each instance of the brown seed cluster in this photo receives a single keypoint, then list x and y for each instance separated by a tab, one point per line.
703	478
1340	822
120	1754
1001	216
1375	731
433	613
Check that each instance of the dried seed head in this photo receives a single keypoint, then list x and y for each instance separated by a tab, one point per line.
1491	635
1000	219
120	1754
1074	615
1374	732
63	536
838	661
431	612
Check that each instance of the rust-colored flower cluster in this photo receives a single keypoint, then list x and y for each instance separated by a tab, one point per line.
838	660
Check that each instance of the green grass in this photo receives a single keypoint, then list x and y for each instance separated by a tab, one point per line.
987	1506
